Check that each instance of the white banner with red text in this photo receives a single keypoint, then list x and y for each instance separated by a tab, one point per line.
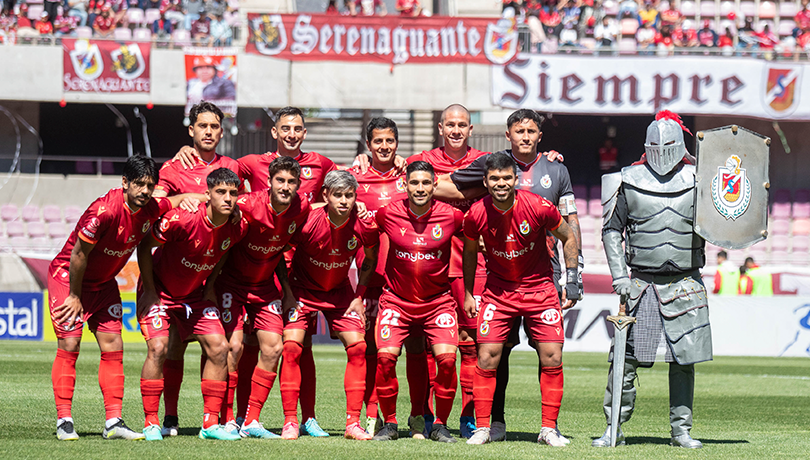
641	85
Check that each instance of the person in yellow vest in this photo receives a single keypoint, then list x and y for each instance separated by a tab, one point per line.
756	281
727	277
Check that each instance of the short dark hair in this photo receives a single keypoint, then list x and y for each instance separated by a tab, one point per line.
290	112
222	176
723	254
204	107
381	123
284	164
138	166
749	259
524	114
498	161
420	166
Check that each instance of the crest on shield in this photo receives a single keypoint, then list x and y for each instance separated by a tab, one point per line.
268	34
781	95
731	186
501	41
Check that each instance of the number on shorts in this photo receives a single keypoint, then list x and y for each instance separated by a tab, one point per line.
227	300
489	312
390	317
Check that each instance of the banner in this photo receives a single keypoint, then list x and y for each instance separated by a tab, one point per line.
21	315
643	85
104	66
383	39
211	76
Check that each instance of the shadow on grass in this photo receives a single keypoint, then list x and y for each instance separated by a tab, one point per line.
654	440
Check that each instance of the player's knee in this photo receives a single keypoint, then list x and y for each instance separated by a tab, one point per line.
356	351
158	348
551	359
218	351
292	351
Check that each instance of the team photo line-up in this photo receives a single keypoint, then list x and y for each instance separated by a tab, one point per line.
455	250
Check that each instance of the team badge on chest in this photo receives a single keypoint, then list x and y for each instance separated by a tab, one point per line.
226	244
437	232
306	172
291	228
352	243
545	181
525	228
145	227
401	184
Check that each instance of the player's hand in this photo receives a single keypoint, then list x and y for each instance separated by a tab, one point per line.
146	300
187	156
622	285
357	308
189	204
288	302
553	155
470	306
362	163
362	210
69	312
400	164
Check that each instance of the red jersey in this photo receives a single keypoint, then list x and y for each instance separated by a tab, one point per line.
192	248
175	180
324	253
115	230
802	19
419	253
314	166
517	256
253	261
443	164
375	191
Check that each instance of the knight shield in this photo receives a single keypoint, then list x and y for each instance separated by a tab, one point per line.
731	186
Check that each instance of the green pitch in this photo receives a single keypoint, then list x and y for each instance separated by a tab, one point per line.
744	408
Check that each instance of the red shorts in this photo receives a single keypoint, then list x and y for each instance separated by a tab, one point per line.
372	301
102	310
191	318
399	319
232	313
541	311
332	304
261	305
457	290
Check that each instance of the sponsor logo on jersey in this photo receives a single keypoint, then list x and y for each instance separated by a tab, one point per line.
275	307
511	254
550	317
352	243
116	311
484	329
417	256
145	227
545	181
366	187
130	239
401	184
274	237
125	252
211	313
92	227
264	249
197	267
384	196
437	232
101	210
402	231
197	180
197	243
334	252
120	229
526	182
446	320
330	265
306	172
209	253
291	228
164	225
385	332
510	238
226	244
525	228
419	241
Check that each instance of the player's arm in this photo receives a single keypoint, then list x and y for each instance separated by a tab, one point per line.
363	278
570	253
148	295
469	262
288	299
568	209
72	309
209	293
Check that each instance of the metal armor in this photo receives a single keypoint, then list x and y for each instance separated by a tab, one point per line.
664	145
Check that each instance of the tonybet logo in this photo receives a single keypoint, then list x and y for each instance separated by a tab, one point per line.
119	254
414	257
264	249
513	254
197	267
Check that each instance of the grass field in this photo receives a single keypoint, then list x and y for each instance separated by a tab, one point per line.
744	408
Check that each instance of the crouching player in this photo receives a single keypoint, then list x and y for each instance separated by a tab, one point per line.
325	248
171	293
513	226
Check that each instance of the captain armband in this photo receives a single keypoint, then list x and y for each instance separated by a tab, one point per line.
567	205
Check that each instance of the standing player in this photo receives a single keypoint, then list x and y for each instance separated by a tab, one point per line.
247	282
325	248
205	131
378	186
82	289
513	226
550	180
417	299
455	128
171	292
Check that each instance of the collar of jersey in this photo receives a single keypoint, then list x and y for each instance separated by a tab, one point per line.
332	224
412	214
451	160
503	213
522	164
296	158
126	205
387	174
272	209
200	160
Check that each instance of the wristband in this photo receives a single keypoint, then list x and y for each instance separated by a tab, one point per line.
360	291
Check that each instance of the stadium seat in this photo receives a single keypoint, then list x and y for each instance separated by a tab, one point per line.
799	258
748	9
39	243
663	5
611	7
587	224
580	191
779	243
232	18
629	27
181	37
707	9
726	8
31	2
801	210
35	12
779	257
782	195
18	242
9	212
628	46
781	210
595	192
582	204
801	227
767	10
595	207
31	213
688	9
36	229
787	9
84	32
779	226
72	214
802	196
135	16
142	35
122	34
800	244
14	229
57	230
51	213
151	15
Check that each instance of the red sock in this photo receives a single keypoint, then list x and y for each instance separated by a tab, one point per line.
370	395
469	358
172	381
213	392
483	390
260	387
150	393
307	394
551	387
430	391
387	386
63	376
354	381
445	386
416	370
226	413
290	380
111	381
247	364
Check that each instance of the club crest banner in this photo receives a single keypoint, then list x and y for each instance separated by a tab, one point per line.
103	66
211	76
387	39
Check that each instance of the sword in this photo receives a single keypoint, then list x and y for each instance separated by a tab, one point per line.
620	323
